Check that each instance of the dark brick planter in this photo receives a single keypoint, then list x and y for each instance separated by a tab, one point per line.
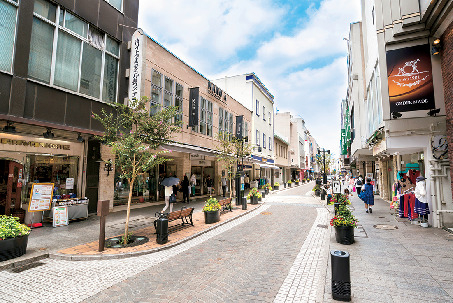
211	216
13	247
344	234
254	200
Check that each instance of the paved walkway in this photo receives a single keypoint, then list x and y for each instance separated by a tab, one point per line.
407	264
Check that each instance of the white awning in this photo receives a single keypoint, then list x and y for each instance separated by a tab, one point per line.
268	166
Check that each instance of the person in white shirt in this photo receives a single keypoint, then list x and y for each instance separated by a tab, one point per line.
168	192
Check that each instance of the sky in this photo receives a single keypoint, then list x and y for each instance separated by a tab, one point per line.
295	47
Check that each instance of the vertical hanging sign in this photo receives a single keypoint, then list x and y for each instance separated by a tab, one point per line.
135	77
239	126
193	103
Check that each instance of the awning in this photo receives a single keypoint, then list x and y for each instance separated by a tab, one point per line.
268	166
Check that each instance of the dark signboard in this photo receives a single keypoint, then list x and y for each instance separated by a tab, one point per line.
410	79
239	127
193	109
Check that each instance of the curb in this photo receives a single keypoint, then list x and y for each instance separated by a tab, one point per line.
58	256
24	262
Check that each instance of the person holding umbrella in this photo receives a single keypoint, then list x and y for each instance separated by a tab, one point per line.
168	183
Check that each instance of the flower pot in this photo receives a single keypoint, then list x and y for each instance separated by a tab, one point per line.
317	193
263	194
13	247
284	185
344	234
297	183
276	187
289	185
260	199
254	200
211	216
266	190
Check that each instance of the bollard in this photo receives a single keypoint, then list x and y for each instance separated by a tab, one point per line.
323	194
161	228
263	194
341	277
244	203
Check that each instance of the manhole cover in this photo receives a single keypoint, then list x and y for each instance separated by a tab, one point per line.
385	227
265	213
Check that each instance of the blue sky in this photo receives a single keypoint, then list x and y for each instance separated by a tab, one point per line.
295	47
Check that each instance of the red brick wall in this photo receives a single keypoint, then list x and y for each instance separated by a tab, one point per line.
447	75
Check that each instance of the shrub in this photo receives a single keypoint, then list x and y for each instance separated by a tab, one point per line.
212	205
11	228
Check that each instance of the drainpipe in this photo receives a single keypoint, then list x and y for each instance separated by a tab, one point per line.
436	174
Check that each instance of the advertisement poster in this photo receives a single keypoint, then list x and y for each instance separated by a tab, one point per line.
69	183
410	79
40	197
60	216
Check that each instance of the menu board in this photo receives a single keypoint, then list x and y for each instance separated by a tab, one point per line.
60	216
69	183
40	197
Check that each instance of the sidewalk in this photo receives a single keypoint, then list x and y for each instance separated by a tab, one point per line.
393	260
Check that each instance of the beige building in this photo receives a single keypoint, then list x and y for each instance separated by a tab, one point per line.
281	145
167	80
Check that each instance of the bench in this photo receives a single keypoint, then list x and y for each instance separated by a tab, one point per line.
185	214
226	204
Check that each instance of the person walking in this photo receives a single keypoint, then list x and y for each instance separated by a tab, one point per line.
168	193
193	183
367	195
209	185
185	187
224	185
359	184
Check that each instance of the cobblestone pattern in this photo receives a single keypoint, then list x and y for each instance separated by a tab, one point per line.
246	264
67	281
308	271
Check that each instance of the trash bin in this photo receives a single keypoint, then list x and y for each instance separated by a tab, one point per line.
161	228
341	277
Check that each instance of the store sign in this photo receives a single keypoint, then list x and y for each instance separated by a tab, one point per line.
60	216
215	91
201	163
69	183
239	127
410	79
40	197
34	144
135	78
193	106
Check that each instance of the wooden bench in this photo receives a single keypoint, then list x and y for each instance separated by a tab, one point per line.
226	204
185	214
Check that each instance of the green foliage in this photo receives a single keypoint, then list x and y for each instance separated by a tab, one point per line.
344	217
317	187
276	184
11	228
254	192
212	205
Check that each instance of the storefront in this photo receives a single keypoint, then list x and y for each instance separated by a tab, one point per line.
25	161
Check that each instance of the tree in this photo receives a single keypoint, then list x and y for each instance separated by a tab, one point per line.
328	159
135	137
230	149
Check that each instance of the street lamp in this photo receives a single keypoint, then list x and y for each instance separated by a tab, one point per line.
240	168
324	175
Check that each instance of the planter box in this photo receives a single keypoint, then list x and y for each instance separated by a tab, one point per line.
297	183
254	200
276	187
266	190
284	185
317	193
344	234
290	185
13	247
263	194
211	216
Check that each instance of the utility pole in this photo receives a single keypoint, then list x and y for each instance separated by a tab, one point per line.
324	175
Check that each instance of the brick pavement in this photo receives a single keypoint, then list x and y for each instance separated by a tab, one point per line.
408	264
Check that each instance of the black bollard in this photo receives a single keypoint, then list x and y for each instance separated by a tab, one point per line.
341	277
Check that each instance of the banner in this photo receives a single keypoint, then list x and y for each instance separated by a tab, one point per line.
344	149
193	106
239	127
135	77
410	79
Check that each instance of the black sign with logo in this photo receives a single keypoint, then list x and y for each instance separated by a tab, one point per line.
239	127
193	102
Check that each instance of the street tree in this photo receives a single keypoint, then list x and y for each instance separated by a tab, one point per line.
135	138
229	151
327	157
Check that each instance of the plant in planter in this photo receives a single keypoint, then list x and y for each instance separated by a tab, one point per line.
344	223
289	183
211	211
13	238
317	190
276	186
254	195
297	181
342	199
267	188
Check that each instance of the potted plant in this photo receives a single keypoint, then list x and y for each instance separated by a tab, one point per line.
212	211
344	223
317	190
13	238
267	188
276	186
297	182
254	195
290	183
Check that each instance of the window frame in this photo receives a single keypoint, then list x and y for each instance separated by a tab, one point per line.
264	141
258	138
264	113
83	40
257	110
13	53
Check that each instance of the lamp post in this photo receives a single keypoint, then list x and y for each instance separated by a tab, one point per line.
240	169
324	176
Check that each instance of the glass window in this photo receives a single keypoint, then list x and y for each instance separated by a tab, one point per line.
203	116
270	143
226	121
90	78
67	61
167	99
220	120
257	107
257	137
45	9
246	130
231	126
112	46
76	25
264	113
270	119
96	38
40	61
7	33
110	79
179	101
209	120
156	78
264	140
156	91
115	3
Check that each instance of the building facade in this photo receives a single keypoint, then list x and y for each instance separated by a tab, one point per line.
60	61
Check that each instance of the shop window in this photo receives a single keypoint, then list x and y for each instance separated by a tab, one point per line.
62	171
83	54
8	13
179	101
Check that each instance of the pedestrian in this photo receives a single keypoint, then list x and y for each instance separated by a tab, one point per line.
185	186
247	181
193	182
224	185
367	195
209	185
168	193
359	184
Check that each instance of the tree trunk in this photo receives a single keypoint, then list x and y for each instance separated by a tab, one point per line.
126	228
